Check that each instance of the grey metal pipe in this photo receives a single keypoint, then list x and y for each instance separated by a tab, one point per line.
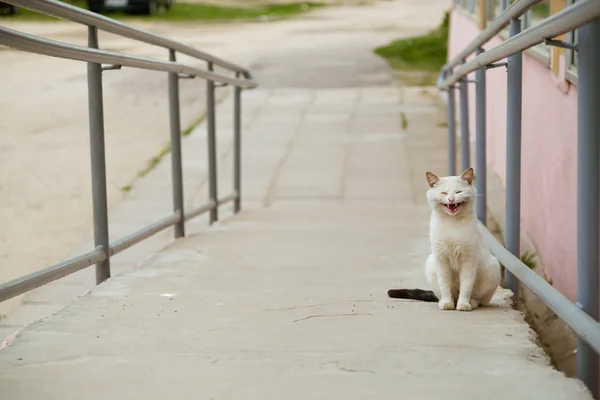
465	149
36	279
588	193
98	159
581	323
526	19
76	14
230	197
513	159
212	147
480	143
53	48
578	14
176	168
451	132
144	233
237	148
515	10
204	208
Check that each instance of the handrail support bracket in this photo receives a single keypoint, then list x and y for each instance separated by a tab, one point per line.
562	44
111	67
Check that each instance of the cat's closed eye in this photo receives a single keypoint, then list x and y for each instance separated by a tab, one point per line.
460	191
444	194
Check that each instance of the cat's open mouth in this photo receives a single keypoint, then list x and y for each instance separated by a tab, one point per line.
453	208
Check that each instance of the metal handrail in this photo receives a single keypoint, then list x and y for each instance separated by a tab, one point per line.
36	279
94	57
584	15
515	10
581	323
579	13
34	44
136	237
72	13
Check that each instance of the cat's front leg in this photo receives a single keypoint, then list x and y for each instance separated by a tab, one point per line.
467	275
444	274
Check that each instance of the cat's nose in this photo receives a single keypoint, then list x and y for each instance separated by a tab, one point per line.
451	199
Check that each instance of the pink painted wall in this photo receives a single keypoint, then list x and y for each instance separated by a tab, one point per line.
549	149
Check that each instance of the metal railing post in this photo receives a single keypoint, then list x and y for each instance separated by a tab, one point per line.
451	131
237	148
513	160
212	147
588	197
176	169
480	143
98	159
465	150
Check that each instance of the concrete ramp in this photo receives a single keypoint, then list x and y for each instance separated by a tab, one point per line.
288	299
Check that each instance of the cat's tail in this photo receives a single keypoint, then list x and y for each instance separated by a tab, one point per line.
413	294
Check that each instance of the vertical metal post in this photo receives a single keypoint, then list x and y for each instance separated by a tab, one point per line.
465	150
513	160
176	169
480	143
588	197
212	147
526	20
451	132
237	148
503	5
98	159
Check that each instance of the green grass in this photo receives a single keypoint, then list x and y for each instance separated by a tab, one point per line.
528	258
28	15
193	126
182	12
541	10
403	121
127	188
154	161
421	53
204	12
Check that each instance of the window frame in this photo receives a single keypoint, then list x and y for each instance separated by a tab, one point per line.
540	52
570	55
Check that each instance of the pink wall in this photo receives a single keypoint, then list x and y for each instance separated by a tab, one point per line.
549	149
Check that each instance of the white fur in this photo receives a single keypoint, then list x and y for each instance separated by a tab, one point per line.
461	270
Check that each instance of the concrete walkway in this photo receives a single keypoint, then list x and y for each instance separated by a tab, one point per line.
288	299
332	45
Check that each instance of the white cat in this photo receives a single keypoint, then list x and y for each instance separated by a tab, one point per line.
460	269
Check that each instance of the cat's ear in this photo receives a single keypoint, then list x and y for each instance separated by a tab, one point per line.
467	176
432	178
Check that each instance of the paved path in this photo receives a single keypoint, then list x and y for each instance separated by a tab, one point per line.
288	299
329	48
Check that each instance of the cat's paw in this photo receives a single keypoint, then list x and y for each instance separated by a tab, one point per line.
446	304
462	306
